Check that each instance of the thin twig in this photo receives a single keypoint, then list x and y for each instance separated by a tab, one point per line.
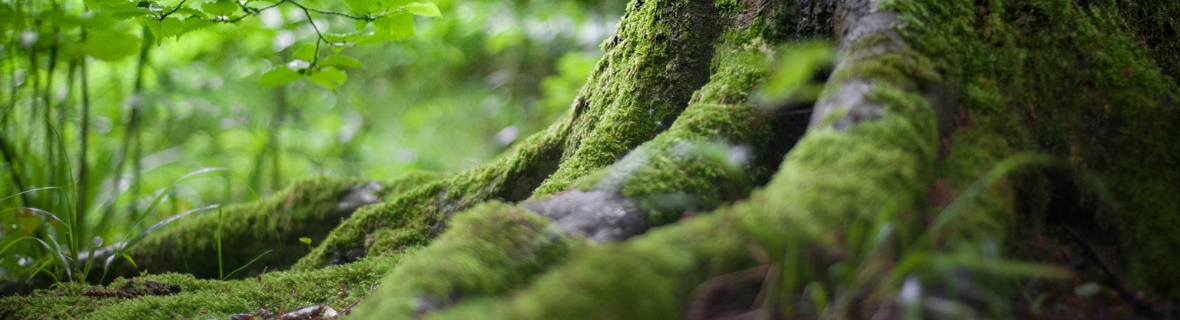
367	18
163	16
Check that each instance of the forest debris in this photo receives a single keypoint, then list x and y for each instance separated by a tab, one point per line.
320	311
132	290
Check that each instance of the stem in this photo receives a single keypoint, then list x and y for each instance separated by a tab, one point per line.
83	174
130	136
35	74
163	16
12	89
50	154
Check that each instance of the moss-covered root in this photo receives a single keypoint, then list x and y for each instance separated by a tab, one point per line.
702	161
181	296
658	56
830	181
309	208
836	177
489	249
413	217
649	277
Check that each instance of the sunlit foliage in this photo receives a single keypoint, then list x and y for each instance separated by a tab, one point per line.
110	101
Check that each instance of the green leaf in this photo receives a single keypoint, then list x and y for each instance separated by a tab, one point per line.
96	4
110	46
220	7
341	37
132	261
394	4
169	27
280	75
423	9
127	11
328	77
306	53
341	61
191	12
305	240
193	24
396	26
360	24
363	6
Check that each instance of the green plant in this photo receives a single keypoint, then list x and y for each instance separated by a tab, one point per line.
140	91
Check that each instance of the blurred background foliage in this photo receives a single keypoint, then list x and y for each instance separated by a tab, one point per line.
173	87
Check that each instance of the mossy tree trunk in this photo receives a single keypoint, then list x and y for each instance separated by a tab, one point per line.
952	138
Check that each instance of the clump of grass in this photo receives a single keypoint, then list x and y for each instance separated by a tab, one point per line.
69	259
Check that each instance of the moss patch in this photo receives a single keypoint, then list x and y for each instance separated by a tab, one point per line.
338	287
248	230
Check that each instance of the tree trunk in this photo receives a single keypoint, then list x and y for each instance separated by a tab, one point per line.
960	154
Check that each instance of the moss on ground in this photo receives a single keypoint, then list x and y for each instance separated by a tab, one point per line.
268	229
144	297
248	230
1071	80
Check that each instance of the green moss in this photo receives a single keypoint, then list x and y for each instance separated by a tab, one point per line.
704	159
398	186
837	178
1156	25
1057	77
248	230
974	151
415	216
902	67
646	278
636	91
656	59
481	255
338	287
490	248
832	179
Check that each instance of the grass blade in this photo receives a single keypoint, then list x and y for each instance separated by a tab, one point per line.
27	192
231	273
131	242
